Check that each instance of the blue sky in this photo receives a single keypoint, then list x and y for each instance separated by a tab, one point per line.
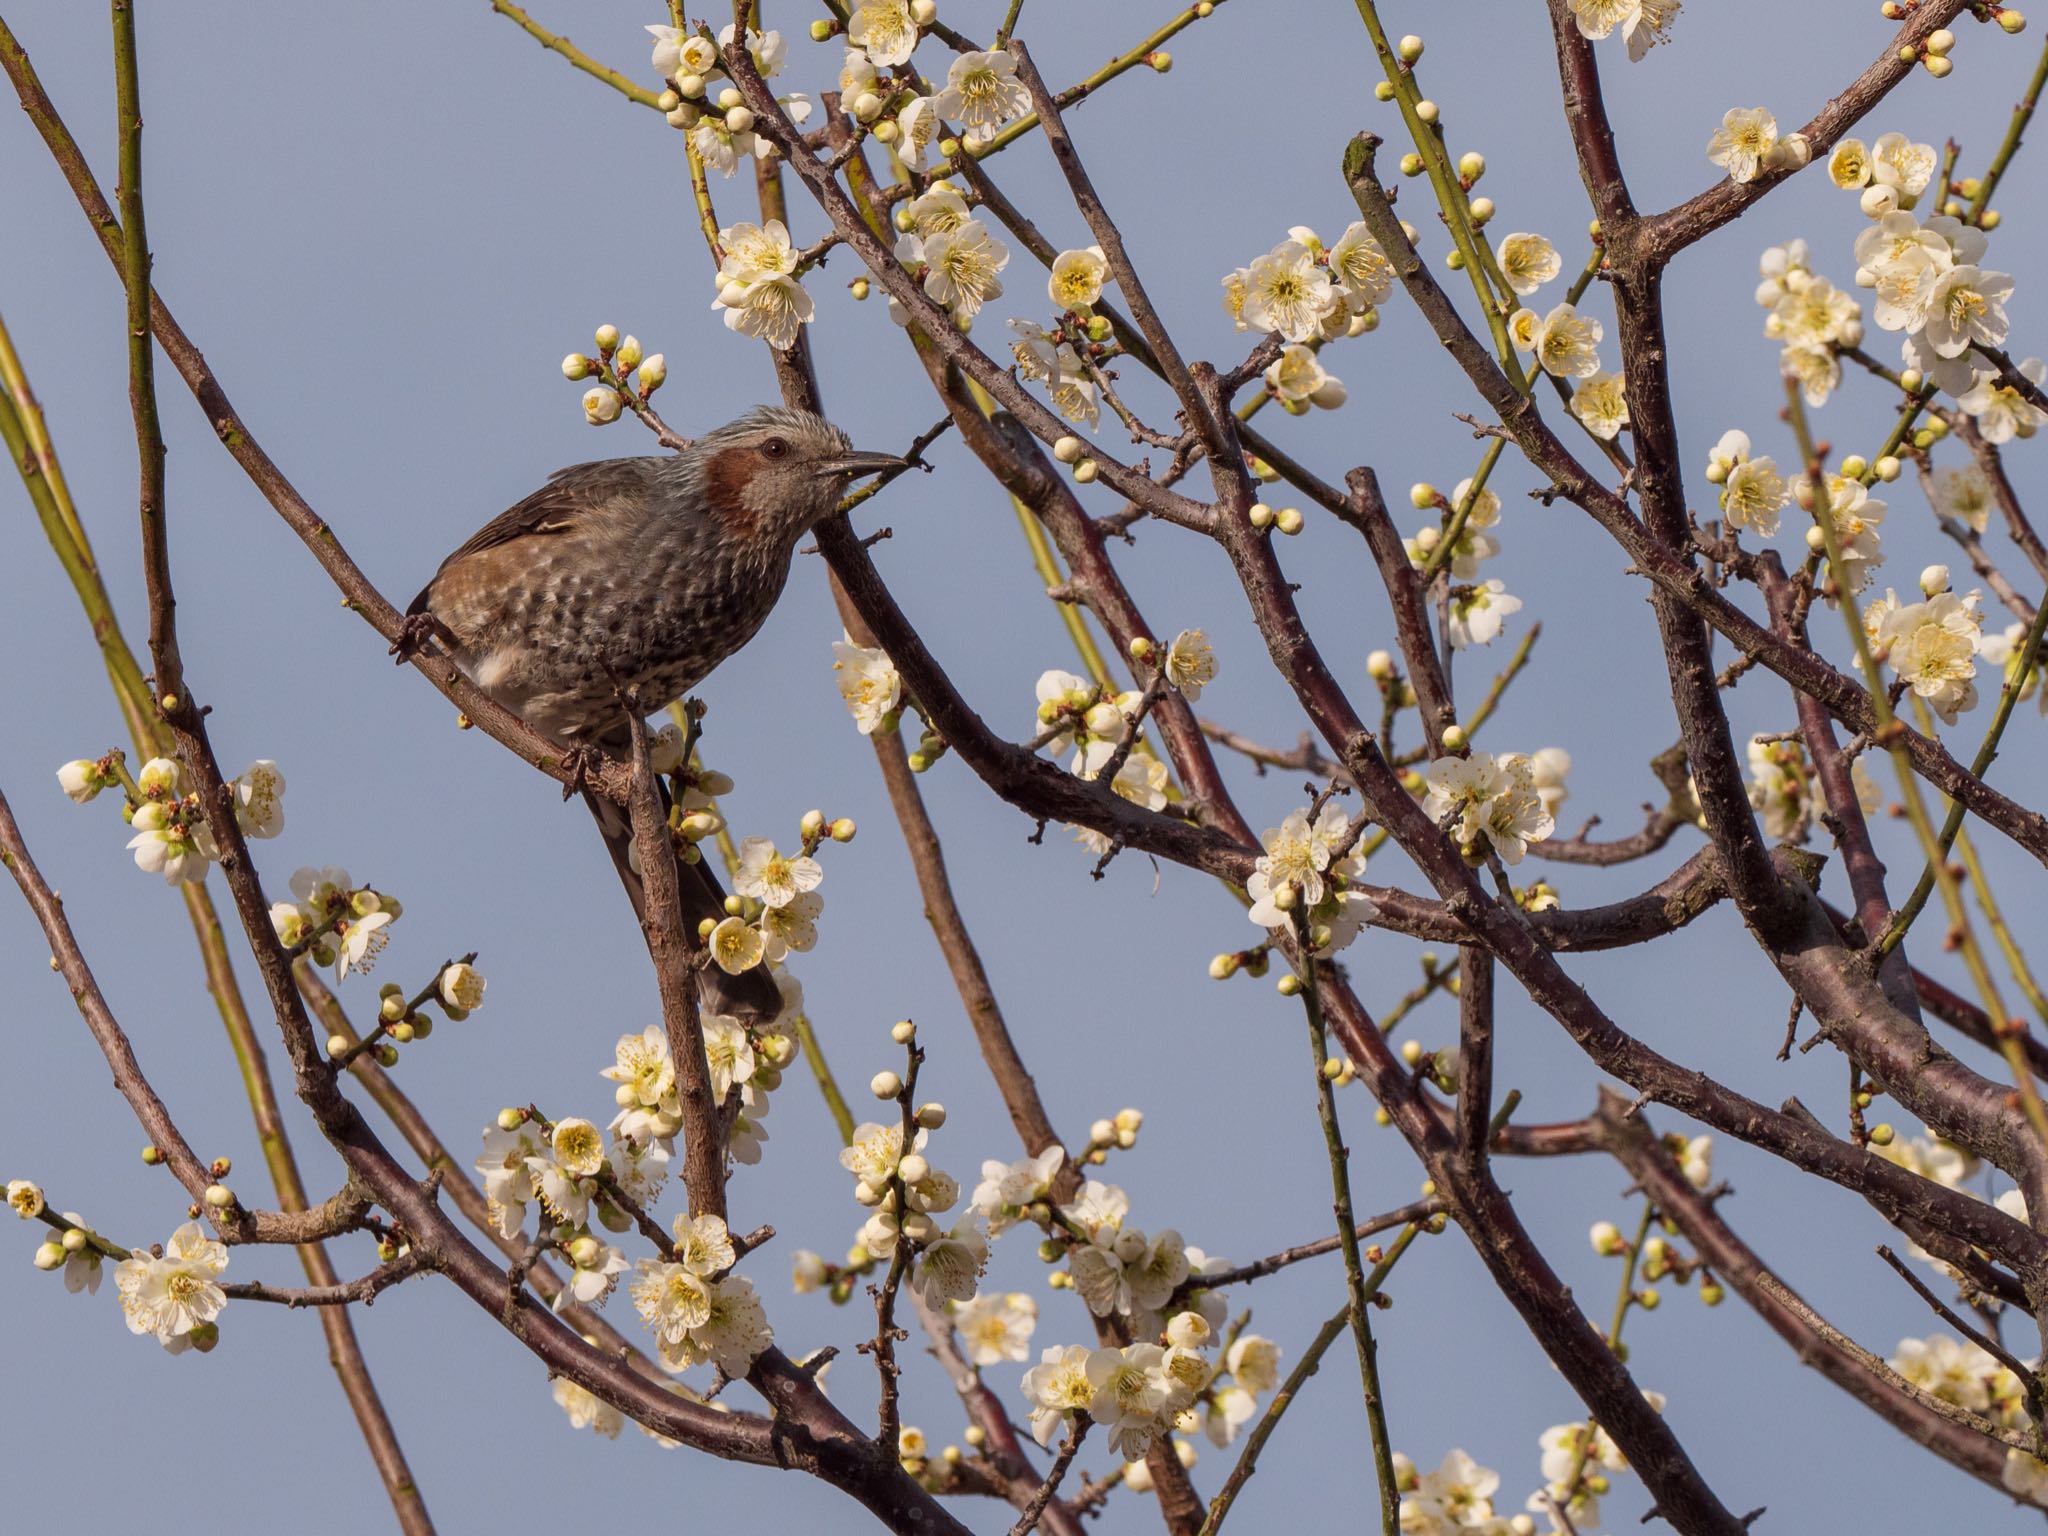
385	224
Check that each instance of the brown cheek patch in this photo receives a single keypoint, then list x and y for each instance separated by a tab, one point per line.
727	477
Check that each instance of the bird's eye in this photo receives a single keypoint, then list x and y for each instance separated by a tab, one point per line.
775	448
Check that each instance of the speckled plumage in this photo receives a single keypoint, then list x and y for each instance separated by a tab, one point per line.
642	573
637	572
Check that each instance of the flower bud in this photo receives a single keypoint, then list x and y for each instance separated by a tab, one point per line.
1887	468
1471	165
1482	209
1855	466
49	1255
1712	1294
919	1228
1939	41
739	120
1607	1239
903	1032
858	288
1288	520
729	98
219	1196
1411	164
2012	21
1383	91
1289	985
205	1337
1426	110
1261	515
1938	65
628	355
1454	738
1068	449
80	780
387	1055
74	1240
812	825
1878	200
843	830
865	1193
924	12
1881	1135
885	1085
601	406
586	1251
1086	471
914	1169
607	339
1934	580
1223	967
654	372
403	1033
1422	496
336	1044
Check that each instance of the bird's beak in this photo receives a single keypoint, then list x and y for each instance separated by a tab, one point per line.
848	464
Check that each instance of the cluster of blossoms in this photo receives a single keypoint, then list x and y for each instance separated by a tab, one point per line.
1138	1393
1507	800
1810	316
905	1193
1964	1374
1561	341
696	1309
758	289
171	837
1090	721
777	896
1311	866
1151	1284
177	1296
1782	788
1457	1499
1477	608
1930	645
1969	1377
746	1062
1927	283
1309	292
344	924
1065	356
1643	23
720	125
950	252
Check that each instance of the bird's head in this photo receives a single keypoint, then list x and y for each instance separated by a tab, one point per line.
776	473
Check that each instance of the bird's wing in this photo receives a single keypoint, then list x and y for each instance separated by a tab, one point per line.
555	508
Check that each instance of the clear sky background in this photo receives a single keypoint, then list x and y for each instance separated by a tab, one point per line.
385	224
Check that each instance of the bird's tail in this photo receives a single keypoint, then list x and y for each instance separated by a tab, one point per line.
752	996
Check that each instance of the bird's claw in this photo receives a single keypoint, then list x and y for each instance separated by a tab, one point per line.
577	763
414	631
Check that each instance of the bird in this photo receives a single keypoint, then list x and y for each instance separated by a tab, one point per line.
636	577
